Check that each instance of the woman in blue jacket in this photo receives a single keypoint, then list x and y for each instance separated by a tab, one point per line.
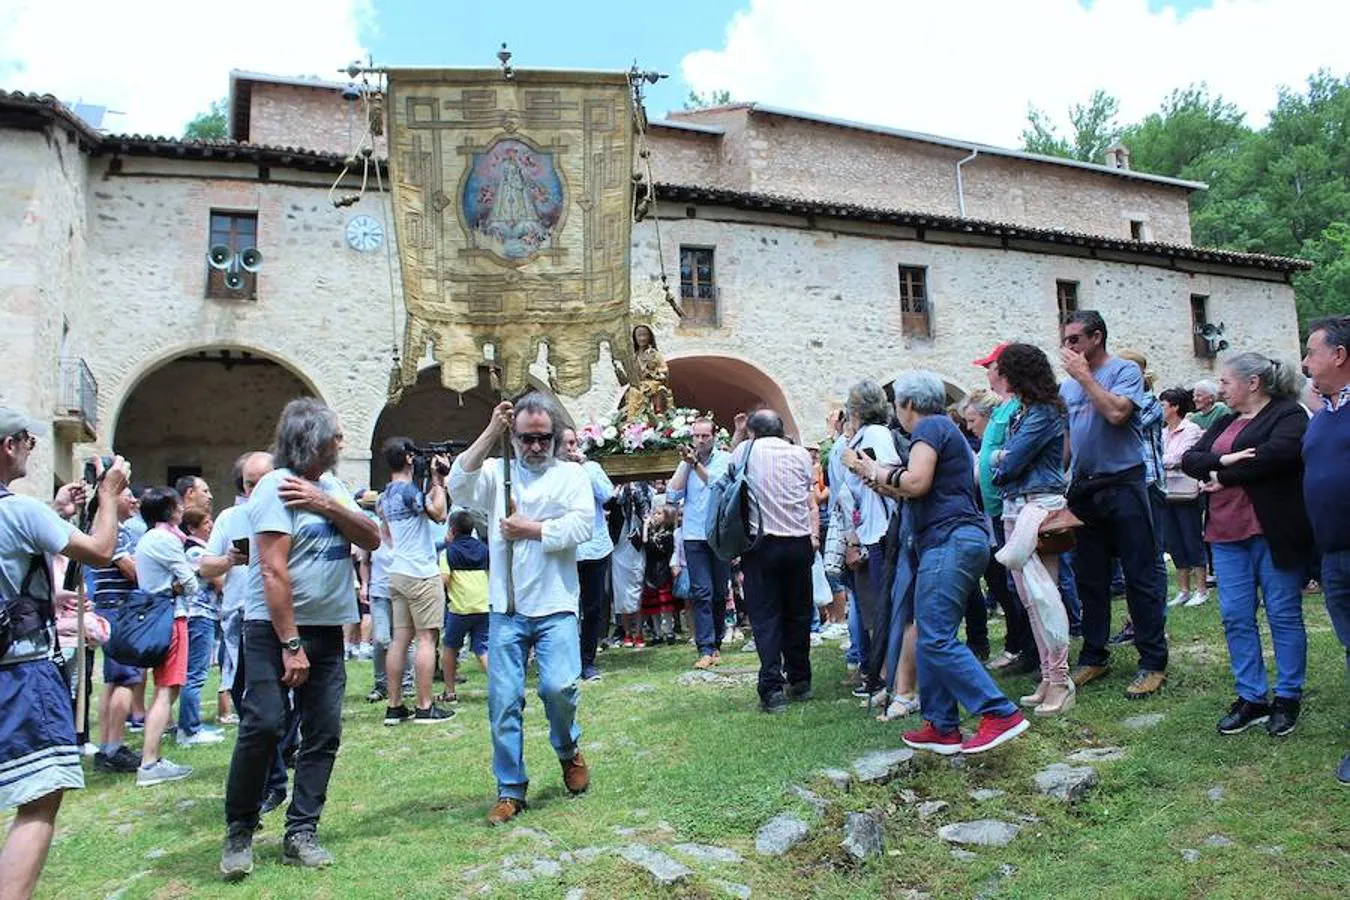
1029	471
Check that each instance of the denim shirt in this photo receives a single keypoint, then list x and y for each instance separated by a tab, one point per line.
1033	456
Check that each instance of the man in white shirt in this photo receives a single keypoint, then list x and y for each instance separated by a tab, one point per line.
533	588
416	594
593	557
39	760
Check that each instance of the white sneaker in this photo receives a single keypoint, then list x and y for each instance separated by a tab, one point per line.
817	639
1198	598
1179	599
748	646
160	772
202	737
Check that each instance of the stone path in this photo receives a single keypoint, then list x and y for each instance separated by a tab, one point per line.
664	870
980	833
864	835
1066	783
780	834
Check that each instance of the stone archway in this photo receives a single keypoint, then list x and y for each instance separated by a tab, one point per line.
429	411
196	412
726	386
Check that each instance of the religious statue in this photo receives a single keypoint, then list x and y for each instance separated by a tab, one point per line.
647	395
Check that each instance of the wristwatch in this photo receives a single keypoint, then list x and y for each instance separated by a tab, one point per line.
292	645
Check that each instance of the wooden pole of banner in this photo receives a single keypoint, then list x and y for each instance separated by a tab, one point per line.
507	501
81	667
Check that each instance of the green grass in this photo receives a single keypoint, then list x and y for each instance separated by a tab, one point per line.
405	806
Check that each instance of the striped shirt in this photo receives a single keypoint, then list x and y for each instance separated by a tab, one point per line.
781	476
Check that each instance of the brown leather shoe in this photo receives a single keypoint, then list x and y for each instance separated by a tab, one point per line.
1083	675
504	810
576	775
1145	684
717	657
704	662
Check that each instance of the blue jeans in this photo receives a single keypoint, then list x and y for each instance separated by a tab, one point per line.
708	577
201	635
949	674
1336	591
1242	567
859	643
901	614
557	646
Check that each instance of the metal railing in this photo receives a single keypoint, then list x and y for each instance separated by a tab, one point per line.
79	391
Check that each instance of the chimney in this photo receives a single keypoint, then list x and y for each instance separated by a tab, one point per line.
1118	156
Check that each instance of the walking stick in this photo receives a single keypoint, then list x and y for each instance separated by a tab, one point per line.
507	502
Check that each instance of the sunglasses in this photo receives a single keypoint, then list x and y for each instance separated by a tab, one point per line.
536	439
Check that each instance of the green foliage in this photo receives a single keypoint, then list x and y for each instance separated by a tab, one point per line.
1094	130
1283	189
210	125
705	100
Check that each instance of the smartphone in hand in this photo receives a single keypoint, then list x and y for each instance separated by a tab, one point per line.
241	544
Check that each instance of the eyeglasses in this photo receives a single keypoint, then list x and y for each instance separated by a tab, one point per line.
24	439
1071	340
538	439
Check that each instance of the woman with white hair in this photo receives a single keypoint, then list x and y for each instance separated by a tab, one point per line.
951	544
1250	464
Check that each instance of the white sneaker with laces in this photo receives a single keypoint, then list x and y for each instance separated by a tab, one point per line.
161	771
1198	598
202	737
1179	600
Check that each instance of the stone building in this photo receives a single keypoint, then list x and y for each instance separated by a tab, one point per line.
809	252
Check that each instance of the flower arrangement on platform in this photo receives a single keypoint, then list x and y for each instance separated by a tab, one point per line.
614	436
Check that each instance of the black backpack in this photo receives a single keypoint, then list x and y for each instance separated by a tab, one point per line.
26	613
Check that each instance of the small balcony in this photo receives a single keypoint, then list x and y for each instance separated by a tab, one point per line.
76	414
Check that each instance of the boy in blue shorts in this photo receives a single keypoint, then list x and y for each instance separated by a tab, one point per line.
464	570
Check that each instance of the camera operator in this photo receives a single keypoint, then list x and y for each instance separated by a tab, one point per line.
39	759
415	589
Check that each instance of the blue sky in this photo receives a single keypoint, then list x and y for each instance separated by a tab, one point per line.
962	68
553	34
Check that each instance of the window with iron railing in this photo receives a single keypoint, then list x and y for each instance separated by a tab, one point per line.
78	391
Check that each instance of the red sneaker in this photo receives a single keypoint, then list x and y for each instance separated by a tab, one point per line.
639	643
627	641
995	730
947	743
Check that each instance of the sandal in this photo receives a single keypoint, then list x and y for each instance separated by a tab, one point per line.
900	708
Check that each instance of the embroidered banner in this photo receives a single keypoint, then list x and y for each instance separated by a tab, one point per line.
513	209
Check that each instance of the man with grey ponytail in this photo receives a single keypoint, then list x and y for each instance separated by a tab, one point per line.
533	590
1326	484
298	596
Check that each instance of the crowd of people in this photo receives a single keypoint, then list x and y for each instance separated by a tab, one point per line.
1037	500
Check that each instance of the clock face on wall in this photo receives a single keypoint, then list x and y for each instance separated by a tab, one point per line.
364	233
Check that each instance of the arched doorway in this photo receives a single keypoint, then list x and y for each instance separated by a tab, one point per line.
428	411
197	412
727	386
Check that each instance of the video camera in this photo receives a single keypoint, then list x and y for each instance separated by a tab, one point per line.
423	455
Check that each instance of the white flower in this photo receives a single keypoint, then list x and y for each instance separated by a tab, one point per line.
609	433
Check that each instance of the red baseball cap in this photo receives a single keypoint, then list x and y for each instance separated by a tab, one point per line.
986	361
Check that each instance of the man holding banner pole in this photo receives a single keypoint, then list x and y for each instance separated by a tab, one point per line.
532	541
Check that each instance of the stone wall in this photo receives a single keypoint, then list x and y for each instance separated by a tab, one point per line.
323	309
818	309
800	158
315	118
42	268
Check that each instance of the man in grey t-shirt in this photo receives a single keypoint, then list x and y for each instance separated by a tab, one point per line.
1108	493
303	522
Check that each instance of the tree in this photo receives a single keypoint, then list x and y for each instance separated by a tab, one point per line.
1094	130
711	98
1184	137
210	125
1324	290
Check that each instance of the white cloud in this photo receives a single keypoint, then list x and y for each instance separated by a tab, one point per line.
163	61
970	69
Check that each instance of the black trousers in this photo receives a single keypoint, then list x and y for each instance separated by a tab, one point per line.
1118	522
593	574
263	725
778	599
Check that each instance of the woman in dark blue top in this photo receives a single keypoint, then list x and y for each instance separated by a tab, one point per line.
1029	472
951	542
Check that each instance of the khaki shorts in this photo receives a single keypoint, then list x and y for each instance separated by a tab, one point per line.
418	603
